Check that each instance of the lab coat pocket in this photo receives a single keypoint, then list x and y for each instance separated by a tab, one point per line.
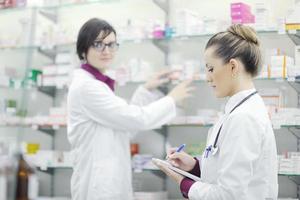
106	178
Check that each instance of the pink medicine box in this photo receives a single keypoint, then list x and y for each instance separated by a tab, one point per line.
239	8
243	19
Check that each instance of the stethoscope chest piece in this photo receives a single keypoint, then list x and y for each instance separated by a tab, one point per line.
214	150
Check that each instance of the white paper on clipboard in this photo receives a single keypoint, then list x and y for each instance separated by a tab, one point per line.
175	169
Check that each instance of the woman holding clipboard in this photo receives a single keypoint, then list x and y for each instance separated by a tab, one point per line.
240	159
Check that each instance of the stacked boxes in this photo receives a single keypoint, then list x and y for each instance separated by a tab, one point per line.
46	158
241	14
280	65
142	161
286	116
289	163
56	75
188	23
57	117
293	18
273	99
263	19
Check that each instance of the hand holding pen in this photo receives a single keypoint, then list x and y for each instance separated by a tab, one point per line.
180	159
173	150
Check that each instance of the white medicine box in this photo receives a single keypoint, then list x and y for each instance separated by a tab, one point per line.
297	55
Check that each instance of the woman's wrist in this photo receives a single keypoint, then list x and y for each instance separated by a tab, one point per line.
193	164
196	169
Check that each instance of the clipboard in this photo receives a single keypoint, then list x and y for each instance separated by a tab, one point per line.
177	170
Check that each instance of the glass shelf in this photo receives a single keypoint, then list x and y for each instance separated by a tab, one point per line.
50	90
63	126
187	37
184	37
281	174
10	88
191	125
11	126
15	9
51	169
50	129
21	48
158	170
52	198
290	126
176	37
210	125
55	167
125	41
204	81
261	79
271	79
44	128
71	5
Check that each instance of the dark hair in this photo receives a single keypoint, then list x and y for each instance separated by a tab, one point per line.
89	32
239	42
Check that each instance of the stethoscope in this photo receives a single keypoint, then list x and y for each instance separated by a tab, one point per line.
214	148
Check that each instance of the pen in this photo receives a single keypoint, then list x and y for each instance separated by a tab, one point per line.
180	148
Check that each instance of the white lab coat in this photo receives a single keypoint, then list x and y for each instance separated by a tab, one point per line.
245	166
100	125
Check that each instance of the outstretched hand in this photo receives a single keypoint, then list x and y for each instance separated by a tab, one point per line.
159	79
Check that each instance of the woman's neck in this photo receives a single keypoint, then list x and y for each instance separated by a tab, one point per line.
101	70
243	85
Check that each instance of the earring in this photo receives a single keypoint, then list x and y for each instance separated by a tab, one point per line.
83	61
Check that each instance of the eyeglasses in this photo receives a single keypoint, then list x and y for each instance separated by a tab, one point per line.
100	46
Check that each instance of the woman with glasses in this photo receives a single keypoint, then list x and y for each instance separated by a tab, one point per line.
240	159
100	124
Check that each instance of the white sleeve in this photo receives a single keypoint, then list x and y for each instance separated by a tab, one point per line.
143	97
240	149
100	104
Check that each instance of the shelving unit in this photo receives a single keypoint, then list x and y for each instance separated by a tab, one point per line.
29	52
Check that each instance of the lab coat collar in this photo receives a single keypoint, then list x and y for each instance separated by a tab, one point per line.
236	98
99	76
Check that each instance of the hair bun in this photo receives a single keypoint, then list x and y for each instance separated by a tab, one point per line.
245	32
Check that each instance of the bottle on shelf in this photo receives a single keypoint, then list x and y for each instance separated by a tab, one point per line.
3	182
134	149
27	181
